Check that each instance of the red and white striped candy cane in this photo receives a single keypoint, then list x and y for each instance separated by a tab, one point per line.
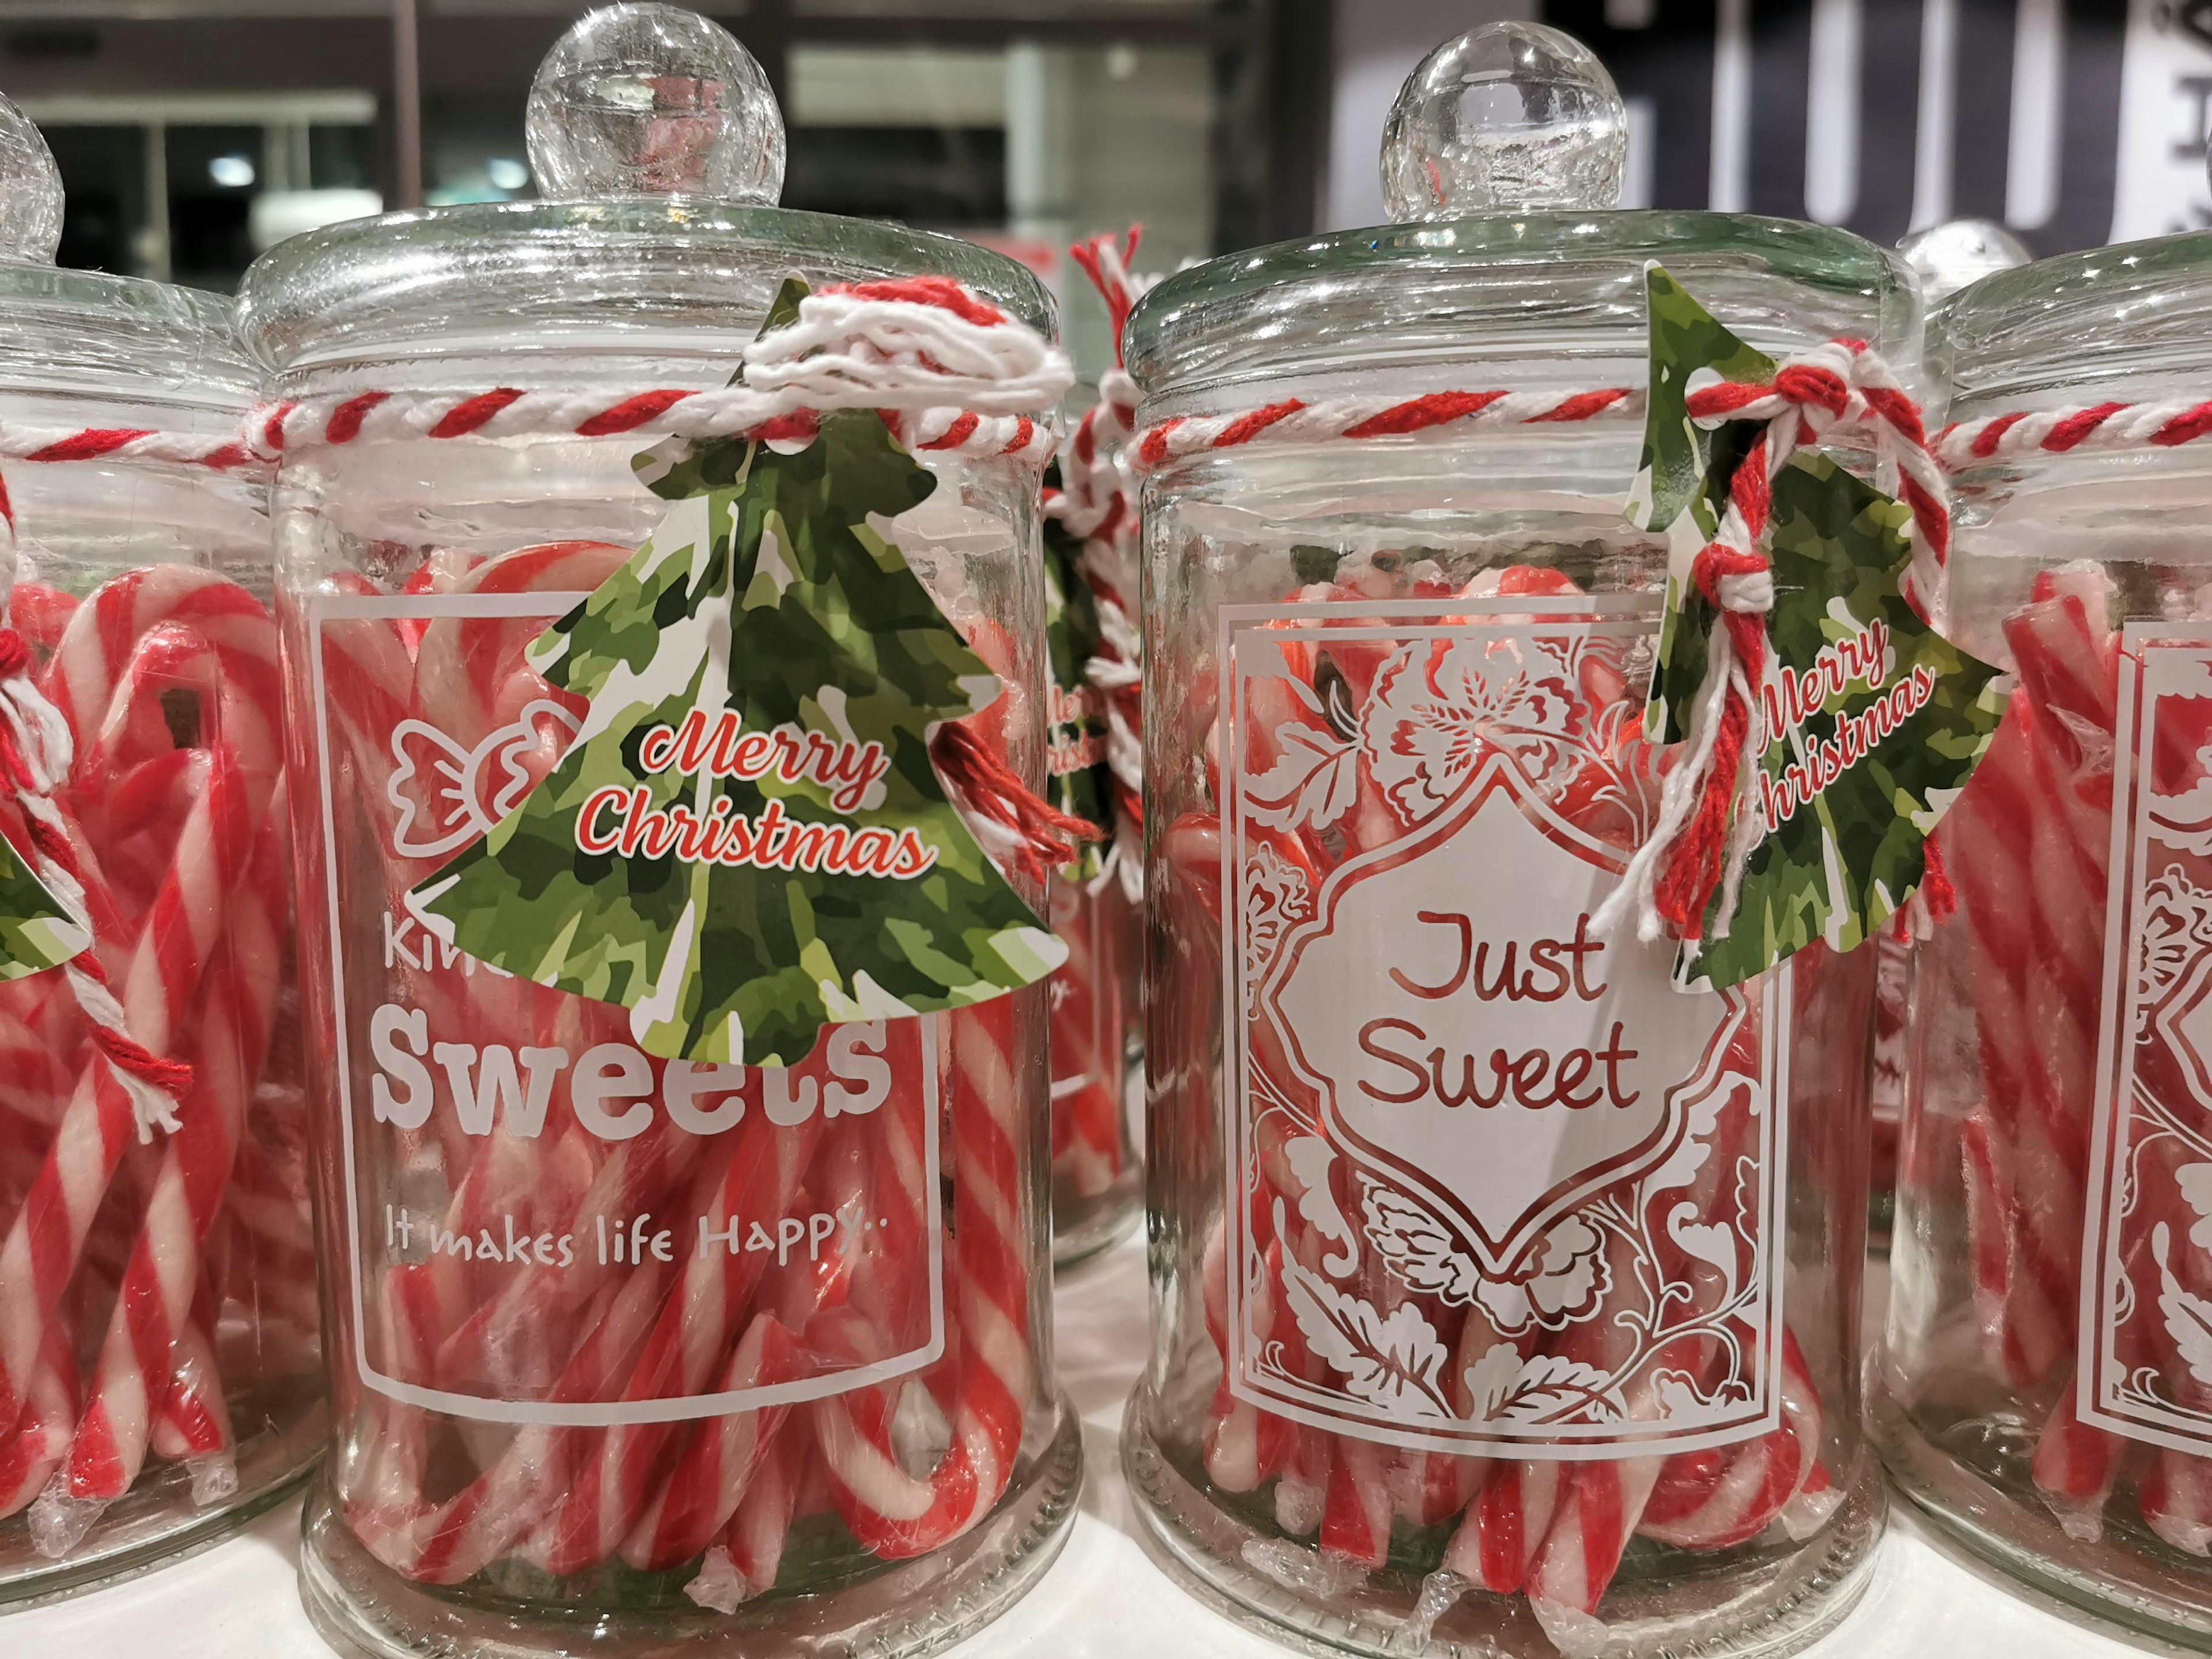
29	1456
2075	1468
161	1278
164	968
745	1563
695	1498
1716	1501
892	1513
761	1527
1085	1002
762	1177
1499	1536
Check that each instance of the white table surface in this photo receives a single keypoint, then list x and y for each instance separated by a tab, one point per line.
1104	1597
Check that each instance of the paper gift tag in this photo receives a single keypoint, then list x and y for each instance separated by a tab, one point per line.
1870	722
747	839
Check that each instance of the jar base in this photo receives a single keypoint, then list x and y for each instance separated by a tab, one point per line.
156	1521
2013	1532
361	1608
1081	1228
1766	1605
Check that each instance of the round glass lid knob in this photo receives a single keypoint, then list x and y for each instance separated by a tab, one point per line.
1950	256
30	192
1509	117
654	101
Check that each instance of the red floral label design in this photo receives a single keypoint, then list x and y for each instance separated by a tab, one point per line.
1498	1184
2147	1306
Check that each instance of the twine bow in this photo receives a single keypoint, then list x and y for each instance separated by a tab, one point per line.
1709	819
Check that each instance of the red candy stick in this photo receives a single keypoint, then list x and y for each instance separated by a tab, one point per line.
128	1238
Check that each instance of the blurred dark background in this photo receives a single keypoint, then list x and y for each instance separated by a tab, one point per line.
193	132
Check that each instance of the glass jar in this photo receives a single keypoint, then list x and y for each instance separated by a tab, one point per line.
1413	1386
2043	1386
740	1354
160	1377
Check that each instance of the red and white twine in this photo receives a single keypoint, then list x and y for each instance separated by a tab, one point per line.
1433	416
951	375
2107	428
21	442
664	412
1707	826
1097	502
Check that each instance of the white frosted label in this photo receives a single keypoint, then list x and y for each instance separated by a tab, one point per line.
2147	1296
1497	1182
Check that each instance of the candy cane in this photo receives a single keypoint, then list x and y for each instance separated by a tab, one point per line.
761	1526
32	1454
2075	1468
164	969
1085	1000
747	1560
762	1174
1497	1539
1243	1445
952	374
160	1281
697	1498
196	955
1730	1498
894	1514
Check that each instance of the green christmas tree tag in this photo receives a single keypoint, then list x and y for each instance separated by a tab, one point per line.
35	932
747	840
1075	725
1872	721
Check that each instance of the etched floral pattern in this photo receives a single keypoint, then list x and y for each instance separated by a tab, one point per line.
1561	1279
1276	898
1440	707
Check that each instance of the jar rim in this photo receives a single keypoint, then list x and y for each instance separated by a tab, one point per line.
2053	325
1562	269
88	334
596	271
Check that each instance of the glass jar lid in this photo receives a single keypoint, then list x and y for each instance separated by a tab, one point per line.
82	335
1504	156
659	141
2121	323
